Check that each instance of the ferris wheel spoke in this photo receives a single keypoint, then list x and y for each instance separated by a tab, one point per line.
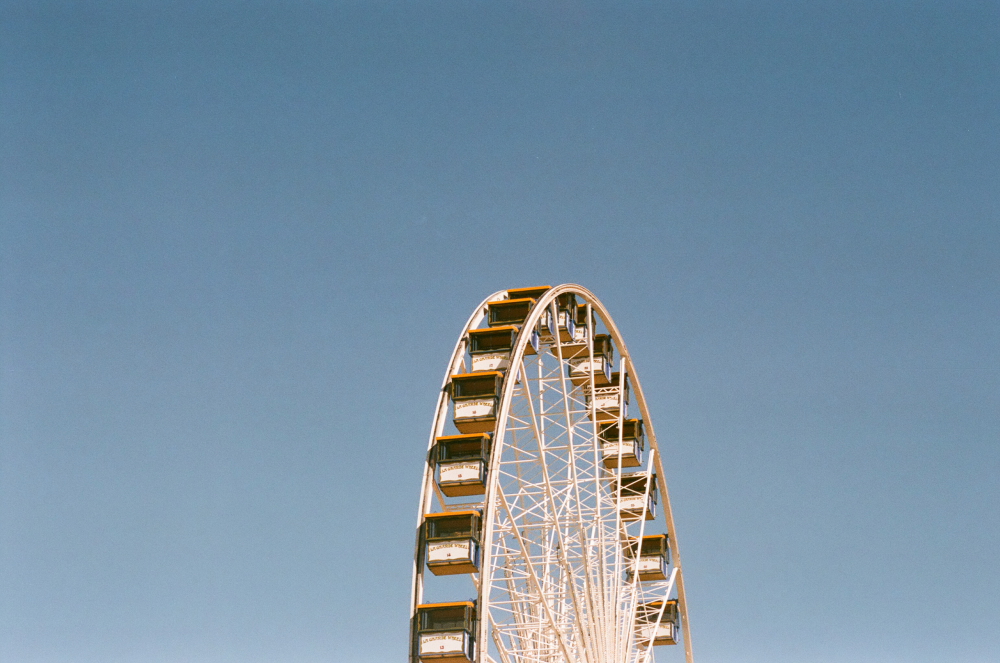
553	573
498	642
537	584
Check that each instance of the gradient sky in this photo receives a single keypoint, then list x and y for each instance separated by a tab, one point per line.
239	239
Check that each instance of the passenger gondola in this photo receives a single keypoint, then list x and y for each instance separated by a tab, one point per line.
562	323
566	317
625	445
580	336
578	345
462	463
509	311
583	366
476	397
491	348
609	401
662	631
654	556
445	632
636	502
452	542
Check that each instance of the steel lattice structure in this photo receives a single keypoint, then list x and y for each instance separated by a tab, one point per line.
556	582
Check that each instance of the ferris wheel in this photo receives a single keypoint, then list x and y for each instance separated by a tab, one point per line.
544	533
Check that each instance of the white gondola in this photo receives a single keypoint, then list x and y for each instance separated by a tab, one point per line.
452	542
578	345
654	556
610	401
461	463
623	446
665	631
445	632
580	336
476	397
563	323
582	367
566	317
635	501
490	348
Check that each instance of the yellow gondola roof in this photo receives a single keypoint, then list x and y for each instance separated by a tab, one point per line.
525	293
447	514
488	330
454	604
465	436
508	302
481	374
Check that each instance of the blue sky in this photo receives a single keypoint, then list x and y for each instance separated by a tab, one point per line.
238	240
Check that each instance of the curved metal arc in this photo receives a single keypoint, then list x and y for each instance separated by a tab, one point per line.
441	411
661	480
499	439
542	306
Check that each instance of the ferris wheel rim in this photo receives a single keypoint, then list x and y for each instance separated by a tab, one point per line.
543	304
440	411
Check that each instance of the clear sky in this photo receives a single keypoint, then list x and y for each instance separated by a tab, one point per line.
238	240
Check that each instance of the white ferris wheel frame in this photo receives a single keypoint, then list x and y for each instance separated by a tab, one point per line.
593	652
